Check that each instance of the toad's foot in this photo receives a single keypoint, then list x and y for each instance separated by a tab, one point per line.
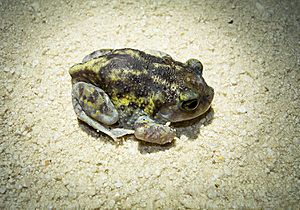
148	130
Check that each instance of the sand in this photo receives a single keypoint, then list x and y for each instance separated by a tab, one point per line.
245	153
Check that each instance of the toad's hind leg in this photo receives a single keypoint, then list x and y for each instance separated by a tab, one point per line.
96	54
93	106
95	103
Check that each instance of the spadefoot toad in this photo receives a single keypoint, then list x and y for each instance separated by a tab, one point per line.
128	91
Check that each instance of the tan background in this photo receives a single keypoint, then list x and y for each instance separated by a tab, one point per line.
246	156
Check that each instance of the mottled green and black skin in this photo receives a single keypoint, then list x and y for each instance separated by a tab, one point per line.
140	84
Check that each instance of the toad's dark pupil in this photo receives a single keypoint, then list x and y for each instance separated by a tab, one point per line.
190	105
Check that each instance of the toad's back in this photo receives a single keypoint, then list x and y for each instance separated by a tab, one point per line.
133	79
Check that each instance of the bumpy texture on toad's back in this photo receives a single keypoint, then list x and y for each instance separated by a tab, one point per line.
139	82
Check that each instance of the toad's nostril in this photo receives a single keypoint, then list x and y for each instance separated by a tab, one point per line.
210	95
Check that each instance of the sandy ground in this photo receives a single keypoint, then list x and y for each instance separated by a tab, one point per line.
245	153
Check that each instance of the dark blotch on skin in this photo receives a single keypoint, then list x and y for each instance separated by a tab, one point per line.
120	61
103	108
85	76
93	97
133	105
141	93
122	107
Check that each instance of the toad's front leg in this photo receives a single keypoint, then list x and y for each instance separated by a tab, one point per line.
148	130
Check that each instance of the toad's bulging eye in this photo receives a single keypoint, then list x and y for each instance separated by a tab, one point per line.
189	105
195	65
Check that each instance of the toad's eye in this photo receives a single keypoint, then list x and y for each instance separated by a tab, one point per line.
189	105
195	65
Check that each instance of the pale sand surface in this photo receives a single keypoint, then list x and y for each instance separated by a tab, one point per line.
244	153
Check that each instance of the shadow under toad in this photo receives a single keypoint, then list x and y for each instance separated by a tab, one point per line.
190	129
